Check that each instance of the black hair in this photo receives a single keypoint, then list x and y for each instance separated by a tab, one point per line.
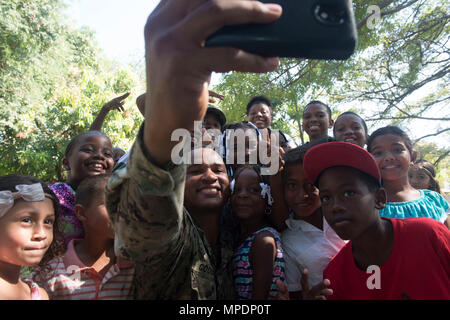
296	155
353	114
372	183
259	99
394	131
254	167
90	188
320	103
57	247
75	140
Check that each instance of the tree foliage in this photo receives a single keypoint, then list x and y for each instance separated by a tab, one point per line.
53	82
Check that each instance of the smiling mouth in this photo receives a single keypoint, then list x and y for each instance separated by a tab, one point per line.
210	191
96	167
390	167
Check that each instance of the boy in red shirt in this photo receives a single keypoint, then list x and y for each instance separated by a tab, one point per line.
385	258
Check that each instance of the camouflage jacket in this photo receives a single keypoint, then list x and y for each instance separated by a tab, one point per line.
173	258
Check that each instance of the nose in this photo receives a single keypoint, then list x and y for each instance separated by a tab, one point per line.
388	156
302	195
336	205
209	176
348	131
99	154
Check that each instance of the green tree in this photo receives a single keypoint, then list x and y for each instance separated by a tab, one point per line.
399	74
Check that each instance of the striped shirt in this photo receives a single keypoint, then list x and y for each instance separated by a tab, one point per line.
70	279
243	270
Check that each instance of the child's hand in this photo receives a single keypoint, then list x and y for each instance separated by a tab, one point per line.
283	293
116	103
318	292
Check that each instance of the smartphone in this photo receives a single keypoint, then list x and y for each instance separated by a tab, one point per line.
312	29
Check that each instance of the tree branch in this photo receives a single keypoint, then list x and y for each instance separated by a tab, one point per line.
431	135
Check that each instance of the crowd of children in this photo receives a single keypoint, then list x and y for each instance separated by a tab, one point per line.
336	221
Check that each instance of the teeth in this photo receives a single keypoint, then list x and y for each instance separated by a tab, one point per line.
210	190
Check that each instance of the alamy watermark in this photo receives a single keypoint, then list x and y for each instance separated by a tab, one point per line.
374	18
374	281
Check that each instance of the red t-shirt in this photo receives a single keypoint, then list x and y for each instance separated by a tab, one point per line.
418	268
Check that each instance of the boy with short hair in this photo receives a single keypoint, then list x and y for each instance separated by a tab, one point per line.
316	120
385	258
89	270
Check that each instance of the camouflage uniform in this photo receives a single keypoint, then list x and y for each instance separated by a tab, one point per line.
173	258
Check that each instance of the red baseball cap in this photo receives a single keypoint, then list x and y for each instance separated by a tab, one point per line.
333	154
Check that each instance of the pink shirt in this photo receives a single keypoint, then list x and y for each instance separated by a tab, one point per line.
70	279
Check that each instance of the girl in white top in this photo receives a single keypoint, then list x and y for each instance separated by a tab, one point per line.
308	241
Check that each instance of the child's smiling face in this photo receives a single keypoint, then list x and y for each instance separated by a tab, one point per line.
349	128
392	156
301	196
26	232
316	121
260	115
92	155
246	200
349	204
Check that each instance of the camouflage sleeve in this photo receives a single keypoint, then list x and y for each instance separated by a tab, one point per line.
145	204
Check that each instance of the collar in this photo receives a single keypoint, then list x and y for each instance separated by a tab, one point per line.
71	258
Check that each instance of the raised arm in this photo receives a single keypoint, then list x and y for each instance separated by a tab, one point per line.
114	104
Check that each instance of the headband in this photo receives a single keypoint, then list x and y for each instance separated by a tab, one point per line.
30	193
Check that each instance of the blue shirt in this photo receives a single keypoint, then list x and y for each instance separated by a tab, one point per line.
430	204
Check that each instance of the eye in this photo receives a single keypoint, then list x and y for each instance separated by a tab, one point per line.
219	170
291	186
325	199
49	221
377	153
108	154
26	220
86	149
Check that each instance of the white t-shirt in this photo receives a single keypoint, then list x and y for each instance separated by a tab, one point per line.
306	246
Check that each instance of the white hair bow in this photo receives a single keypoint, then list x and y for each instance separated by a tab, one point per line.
28	192
265	191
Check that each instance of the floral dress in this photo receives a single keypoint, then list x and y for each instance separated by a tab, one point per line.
70	226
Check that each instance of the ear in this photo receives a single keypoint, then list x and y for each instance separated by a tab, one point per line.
380	198
66	164
80	212
413	157
331	124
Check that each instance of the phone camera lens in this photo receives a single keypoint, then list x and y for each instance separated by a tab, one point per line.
329	15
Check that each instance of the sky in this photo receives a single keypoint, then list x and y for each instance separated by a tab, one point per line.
118	25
